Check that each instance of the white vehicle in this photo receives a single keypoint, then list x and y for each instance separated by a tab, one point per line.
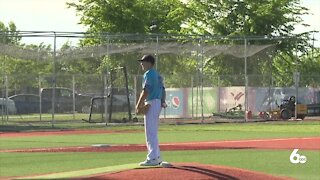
7	104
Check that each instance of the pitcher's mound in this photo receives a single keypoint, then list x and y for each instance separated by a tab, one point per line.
185	171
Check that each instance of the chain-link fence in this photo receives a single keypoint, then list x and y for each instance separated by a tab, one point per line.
207	78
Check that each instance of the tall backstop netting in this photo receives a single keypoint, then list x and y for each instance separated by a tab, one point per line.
74	78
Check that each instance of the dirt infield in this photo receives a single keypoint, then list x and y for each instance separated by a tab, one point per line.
186	171
312	143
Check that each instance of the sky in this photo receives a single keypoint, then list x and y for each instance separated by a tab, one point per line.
53	15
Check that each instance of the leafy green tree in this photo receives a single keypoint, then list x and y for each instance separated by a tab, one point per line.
129	16
309	67
248	18
9	34
243	18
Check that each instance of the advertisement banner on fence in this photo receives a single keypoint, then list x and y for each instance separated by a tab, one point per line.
186	102
175	100
210	101
231	97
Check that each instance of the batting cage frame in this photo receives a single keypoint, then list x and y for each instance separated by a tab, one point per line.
195	93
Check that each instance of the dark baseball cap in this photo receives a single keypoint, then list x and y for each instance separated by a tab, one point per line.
147	58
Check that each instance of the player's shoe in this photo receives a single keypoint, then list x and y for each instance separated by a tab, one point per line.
151	162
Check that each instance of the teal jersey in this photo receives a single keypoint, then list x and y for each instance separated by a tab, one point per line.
153	84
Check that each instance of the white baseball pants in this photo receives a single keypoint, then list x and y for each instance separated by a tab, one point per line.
151	123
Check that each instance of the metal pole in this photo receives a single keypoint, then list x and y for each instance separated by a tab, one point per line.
270	85
3	91
54	79
111	95
135	91
297	79
106	102
202	64
73	97
6	84
105	95
157	51
40	98
246	81
192	115
127	92
219	107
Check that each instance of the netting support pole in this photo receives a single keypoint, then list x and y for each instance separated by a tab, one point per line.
157	52
54	79
105	94
270	84
4	87
246	81
192	100
296	83
111	94
201	74
73	97
40	99
106	88
6	107
219	89
127	91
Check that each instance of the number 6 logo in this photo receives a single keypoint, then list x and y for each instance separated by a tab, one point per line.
296	158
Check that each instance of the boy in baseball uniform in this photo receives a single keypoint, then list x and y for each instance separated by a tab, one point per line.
153	93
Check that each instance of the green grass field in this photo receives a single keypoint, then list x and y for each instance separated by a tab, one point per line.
274	162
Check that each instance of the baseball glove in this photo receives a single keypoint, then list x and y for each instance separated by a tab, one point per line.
143	109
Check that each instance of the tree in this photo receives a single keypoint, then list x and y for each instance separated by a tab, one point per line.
130	16
245	18
9	34
139	17
229	18
309	67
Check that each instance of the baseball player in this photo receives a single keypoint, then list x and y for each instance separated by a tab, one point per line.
153	93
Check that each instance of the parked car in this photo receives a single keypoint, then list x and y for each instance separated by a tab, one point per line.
64	100
27	103
119	100
120	97
313	109
30	103
7	104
